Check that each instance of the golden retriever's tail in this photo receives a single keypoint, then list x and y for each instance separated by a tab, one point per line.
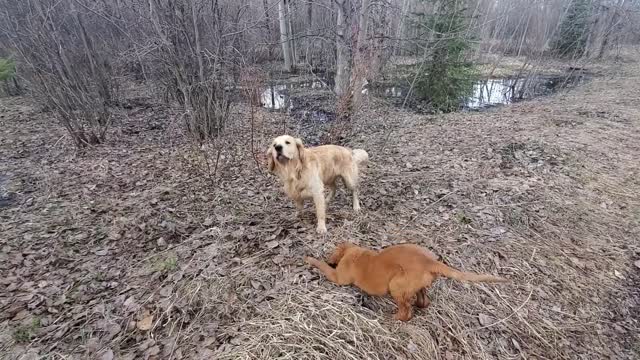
360	156
446	271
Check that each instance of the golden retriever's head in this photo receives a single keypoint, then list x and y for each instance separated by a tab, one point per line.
339	252
284	149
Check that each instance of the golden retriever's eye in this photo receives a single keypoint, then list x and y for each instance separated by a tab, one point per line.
288	143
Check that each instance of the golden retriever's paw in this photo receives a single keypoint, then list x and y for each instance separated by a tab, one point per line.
321	229
357	208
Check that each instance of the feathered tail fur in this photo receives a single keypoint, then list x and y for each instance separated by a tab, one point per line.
360	156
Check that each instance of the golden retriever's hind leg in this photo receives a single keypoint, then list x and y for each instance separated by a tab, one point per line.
331	193
318	199
351	182
299	209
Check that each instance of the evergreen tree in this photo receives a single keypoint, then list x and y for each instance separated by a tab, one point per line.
7	69
448	78
571	39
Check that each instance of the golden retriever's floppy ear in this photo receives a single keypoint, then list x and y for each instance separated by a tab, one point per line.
270	163
338	253
301	148
302	156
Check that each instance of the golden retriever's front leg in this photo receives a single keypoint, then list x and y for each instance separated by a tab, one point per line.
299	207
318	199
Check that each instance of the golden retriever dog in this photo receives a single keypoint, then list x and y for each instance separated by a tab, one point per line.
305	172
404	271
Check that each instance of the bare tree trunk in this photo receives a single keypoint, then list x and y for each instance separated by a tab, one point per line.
284	36
196	31
292	43
379	55
343	53
400	31
610	31
359	72
267	24
309	41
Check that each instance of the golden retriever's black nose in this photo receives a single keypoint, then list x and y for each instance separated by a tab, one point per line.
278	147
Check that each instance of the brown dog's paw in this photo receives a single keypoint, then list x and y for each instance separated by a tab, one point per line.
422	300
402	316
311	261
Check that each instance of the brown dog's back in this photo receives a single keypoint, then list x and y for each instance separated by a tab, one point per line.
414	258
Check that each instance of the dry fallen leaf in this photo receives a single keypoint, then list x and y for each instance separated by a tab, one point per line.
146	323
618	274
152	351
92	345
272	244
484	319
107	355
101	252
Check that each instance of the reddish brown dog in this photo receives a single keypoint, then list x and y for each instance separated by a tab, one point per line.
401	270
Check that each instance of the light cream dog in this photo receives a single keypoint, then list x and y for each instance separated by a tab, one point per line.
305	172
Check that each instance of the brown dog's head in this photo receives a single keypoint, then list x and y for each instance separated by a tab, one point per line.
285	149
339	252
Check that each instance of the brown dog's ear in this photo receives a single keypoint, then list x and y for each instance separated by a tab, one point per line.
270	163
338	253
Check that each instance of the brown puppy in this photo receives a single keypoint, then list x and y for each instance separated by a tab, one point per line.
402	270
305	172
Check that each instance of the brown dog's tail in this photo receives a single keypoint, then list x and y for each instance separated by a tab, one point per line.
360	156
446	271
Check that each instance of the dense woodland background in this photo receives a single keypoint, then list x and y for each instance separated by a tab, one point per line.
76	56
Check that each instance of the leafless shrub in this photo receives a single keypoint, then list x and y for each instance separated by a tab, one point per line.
208	110
66	67
252	81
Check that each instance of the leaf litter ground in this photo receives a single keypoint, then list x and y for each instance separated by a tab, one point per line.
128	251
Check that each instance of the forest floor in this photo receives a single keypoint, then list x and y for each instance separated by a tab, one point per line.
129	250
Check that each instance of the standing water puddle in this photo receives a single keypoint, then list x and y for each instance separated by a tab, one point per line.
486	93
277	96
501	91
493	92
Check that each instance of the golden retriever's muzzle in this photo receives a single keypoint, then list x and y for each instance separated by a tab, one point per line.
279	155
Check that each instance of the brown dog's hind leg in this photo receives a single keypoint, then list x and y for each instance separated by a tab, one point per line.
399	288
422	299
